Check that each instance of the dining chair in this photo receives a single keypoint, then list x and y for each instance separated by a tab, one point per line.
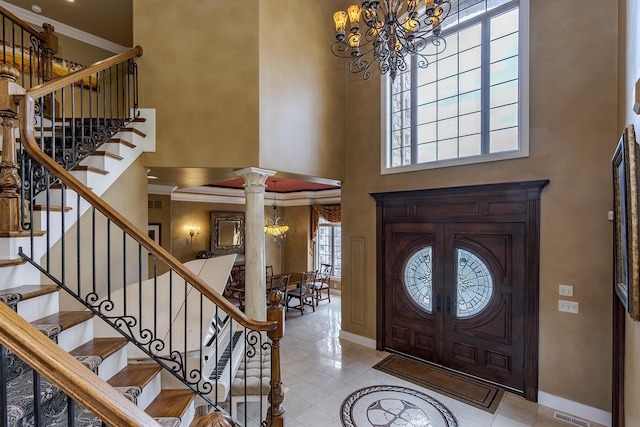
304	293
322	283
269	276
280	283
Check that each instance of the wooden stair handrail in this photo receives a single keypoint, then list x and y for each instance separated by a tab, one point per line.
63	370
53	85
27	125
26	27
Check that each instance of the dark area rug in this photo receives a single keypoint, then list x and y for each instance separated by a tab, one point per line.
471	391
390	406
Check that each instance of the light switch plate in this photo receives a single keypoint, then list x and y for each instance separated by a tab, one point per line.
569	307
565	290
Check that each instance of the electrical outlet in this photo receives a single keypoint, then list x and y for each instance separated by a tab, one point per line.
565	290
568	306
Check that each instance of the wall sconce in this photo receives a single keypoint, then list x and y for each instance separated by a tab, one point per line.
193	231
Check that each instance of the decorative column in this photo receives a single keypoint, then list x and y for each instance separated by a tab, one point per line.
10	183
255	298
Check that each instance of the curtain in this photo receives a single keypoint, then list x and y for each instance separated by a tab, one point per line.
331	213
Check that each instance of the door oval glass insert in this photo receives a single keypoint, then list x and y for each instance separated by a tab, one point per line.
418	278
474	285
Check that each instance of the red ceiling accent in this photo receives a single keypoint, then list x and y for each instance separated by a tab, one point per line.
284	185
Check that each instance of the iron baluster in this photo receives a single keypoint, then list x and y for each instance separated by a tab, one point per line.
3	383
94	253
71	419
124	272
108	258
78	246
37	403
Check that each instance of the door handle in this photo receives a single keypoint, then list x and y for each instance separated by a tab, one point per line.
448	305
438	303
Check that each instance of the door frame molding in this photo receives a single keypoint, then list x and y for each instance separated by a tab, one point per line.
517	202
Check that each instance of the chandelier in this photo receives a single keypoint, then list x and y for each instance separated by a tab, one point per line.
276	226
391	30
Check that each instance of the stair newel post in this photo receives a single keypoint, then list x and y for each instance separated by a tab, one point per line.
275	313
50	48
10	182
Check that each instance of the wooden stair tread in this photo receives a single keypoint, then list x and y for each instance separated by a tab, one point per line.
53	208
103	347
171	403
58	186
12	262
103	153
134	130
121	141
32	291
135	374
66	319
20	234
90	169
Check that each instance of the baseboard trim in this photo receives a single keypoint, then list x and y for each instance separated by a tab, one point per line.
358	339
574	408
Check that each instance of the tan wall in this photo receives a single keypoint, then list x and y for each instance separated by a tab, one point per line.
630	73
266	98
79	52
297	257
128	196
199	214
573	134
299	108
200	71
194	214
160	213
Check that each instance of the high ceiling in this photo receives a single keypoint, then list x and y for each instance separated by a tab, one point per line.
112	20
108	19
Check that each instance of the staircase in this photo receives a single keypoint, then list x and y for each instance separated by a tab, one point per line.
76	270
108	357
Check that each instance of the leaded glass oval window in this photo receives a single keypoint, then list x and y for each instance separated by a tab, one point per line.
418	278
474	284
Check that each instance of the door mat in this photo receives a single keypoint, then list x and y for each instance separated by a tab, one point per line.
471	391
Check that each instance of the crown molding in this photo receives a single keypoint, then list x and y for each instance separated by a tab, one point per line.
64	29
237	196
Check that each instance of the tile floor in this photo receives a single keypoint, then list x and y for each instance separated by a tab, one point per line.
319	370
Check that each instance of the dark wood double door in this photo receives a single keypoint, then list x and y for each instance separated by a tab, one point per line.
454	296
458	279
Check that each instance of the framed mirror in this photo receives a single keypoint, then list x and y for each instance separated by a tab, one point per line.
227	233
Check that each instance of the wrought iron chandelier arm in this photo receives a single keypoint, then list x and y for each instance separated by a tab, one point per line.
391	30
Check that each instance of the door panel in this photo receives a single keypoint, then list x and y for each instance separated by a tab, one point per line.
476	321
409	326
490	343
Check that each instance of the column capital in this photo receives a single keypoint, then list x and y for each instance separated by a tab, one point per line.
254	179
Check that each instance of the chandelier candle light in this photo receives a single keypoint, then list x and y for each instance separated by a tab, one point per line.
392	30
276	226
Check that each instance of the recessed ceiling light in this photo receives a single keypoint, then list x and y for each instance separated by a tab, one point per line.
36	8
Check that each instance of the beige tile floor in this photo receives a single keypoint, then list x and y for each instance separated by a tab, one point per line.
319	370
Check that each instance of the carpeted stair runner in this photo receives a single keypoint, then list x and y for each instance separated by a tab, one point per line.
11	300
